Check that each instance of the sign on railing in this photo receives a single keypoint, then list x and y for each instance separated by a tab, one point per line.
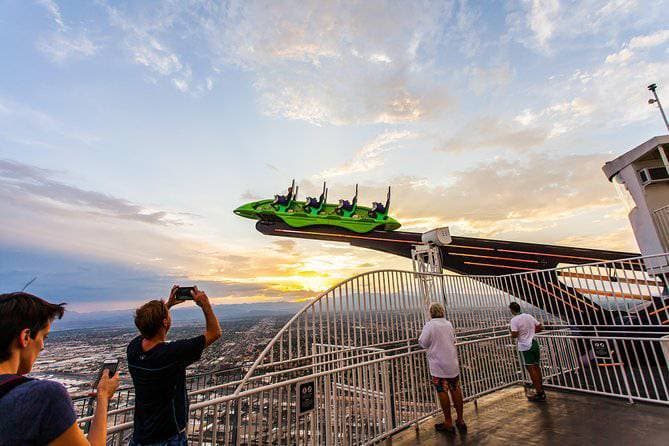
601	348
306	397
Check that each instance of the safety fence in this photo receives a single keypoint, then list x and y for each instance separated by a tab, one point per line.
354	349
387	308
200	386
628	365
364	401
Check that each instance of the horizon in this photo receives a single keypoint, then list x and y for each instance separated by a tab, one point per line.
130	131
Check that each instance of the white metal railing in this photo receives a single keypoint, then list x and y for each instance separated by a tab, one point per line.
363	401
357	343
633	366
200	386
383	308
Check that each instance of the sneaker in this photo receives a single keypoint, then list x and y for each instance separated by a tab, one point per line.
537	397
441	427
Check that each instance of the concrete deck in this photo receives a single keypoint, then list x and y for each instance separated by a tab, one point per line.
507	418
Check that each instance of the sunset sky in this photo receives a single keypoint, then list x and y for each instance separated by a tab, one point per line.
129	131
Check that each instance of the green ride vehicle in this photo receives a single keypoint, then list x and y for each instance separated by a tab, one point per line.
312	212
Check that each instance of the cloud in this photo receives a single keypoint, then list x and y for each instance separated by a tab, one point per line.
149	50
650	40
64	43
324	63
248	195
30	186
483	80
551	25
286	245
26	125
506	196
370	156
620	57
541	20
619	239
643	42
630	102
607	96
493	133
92	285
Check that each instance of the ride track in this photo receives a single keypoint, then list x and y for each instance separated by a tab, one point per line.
490	258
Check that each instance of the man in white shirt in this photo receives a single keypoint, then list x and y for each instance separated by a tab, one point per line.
523	328
438	338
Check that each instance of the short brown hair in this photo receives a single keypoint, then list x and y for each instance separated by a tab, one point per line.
149	317
436	310
19	311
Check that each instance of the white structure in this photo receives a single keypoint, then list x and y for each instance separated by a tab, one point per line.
642	174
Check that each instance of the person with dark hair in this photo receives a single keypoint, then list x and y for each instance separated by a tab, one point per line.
158	370
523	328
35	411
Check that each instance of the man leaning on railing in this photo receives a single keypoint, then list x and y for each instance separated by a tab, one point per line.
438	338
523	327
38	411
158	370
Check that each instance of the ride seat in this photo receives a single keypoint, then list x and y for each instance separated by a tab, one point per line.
280	199
378	207
344	205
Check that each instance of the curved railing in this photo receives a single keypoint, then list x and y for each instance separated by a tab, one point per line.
355	347
386	308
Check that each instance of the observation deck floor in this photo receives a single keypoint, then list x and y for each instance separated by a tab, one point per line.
507	418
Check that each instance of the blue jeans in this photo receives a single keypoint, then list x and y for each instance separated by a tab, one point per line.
177	440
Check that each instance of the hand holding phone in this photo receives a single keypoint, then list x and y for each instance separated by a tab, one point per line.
109	364
184	293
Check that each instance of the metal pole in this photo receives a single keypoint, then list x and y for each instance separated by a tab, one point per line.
652	88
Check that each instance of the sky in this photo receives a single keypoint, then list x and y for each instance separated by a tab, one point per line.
130	130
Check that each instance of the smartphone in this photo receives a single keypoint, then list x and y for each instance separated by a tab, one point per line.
109	364
184	293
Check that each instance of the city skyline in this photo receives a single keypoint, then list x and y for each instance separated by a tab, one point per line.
130	131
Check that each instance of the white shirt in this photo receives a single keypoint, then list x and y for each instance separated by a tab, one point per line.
438	338
524	324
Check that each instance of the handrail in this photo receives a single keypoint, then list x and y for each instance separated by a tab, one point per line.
339	330
482	278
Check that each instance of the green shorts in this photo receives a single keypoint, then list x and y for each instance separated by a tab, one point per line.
532	356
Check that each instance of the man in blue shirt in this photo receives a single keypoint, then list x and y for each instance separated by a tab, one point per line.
158	370
38	411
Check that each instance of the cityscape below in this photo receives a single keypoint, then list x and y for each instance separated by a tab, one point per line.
73	357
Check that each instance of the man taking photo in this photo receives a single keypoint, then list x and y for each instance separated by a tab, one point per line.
158	370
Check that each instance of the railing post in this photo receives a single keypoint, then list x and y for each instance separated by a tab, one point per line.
238	421
389	395
630	400
214	429
328	414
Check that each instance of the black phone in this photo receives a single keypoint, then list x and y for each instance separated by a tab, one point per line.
184	293
109	364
